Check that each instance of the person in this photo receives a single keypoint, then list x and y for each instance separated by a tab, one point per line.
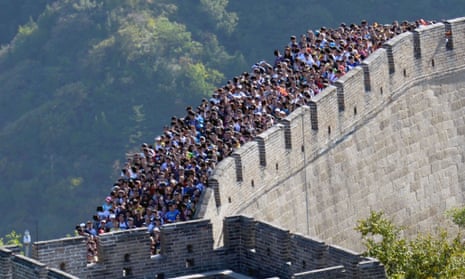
172	214
130	223
107	205
155	242
123	225
278	58
115	227
92	251
109	222
101	213
102	227
80	229
138	218
90	230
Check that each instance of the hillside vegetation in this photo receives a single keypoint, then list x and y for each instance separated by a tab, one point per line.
82	82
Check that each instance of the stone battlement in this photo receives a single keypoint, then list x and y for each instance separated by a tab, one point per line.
279	176
252	249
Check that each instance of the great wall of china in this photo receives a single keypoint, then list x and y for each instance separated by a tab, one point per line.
389	136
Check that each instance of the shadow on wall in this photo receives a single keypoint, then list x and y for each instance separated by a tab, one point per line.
268	178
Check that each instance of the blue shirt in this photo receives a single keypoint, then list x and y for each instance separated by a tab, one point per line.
171	215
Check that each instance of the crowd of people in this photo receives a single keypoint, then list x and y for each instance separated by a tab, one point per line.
162	183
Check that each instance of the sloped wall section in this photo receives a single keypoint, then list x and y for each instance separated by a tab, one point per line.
388	136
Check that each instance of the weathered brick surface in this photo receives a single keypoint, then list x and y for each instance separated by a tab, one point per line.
389	136
71	253
251	248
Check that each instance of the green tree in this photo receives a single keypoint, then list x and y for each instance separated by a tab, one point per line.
16	13
382	241
457	215
216	9
13	238
426	256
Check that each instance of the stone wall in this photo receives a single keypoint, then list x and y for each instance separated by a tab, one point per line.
262	250
252	249
71	250
388	136
13	265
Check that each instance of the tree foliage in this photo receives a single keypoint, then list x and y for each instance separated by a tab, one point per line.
12	238
426	256
457	215
216	9
89	78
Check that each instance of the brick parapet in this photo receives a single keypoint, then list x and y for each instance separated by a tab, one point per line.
408	61
251	248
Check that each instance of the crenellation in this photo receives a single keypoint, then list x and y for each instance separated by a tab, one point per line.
433	39
300	136
457	27
390	56
312	253
271	250
350	259
313	115
340	92
248	154
238	166
349	89
72	251
324	107
371	269
376	67
272	148
224	174
401	47
287	133
6	256
417	44
251	247
24	267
